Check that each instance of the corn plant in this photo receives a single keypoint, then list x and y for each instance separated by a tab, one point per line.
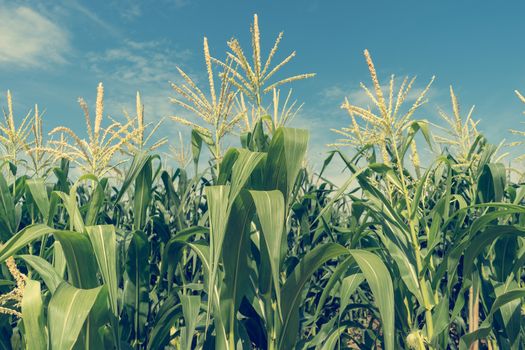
253	249
430	226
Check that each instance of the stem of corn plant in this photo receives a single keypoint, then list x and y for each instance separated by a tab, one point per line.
473	306
217	150
473	314
416	247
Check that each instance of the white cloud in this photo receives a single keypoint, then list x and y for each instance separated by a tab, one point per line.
131	11
144	66
29	39
138	63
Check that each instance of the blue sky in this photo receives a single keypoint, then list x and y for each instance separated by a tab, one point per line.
52	52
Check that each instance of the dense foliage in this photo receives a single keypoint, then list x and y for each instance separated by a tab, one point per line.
251	249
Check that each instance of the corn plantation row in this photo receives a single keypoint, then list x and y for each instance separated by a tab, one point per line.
249	249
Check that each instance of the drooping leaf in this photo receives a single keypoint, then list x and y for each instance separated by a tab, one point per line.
23	238
48	273
378	278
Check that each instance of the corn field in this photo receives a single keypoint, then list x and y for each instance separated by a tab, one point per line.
108	242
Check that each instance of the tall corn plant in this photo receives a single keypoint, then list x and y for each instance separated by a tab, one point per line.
430	224
251	298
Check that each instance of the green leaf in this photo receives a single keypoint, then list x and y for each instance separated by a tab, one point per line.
293	287
196	147
75	218
190	309
38	190
139	160
486	327
335	278
137	281
285	158
477	244
270	210
173	250
236	260
138	253
103	239
23	238
225	168
59	259
218	209
143	195
378	278
348	287
8	223
242	170
70	203
81	262
169	313
33	316
68	310
48	273
95	203
492	182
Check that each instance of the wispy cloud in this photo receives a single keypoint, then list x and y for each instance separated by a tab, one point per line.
131	12
93	17
138	63
147	67
29	39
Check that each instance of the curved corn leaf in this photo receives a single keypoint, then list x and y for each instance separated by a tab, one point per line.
378	278
139	160
293	288
48	273
23	238
481	241
486	327
169	313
